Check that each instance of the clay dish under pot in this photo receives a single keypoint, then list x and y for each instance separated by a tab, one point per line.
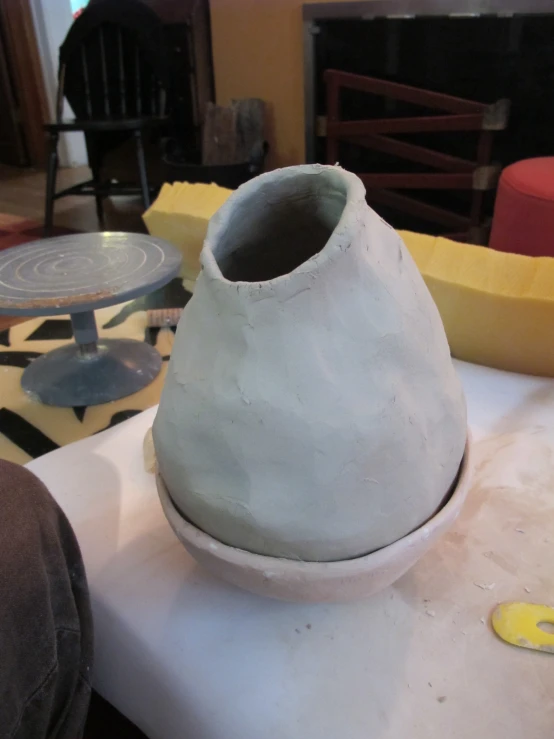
314	582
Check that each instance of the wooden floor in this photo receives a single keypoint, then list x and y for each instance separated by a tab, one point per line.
22	194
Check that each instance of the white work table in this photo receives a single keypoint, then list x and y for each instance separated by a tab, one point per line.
184	655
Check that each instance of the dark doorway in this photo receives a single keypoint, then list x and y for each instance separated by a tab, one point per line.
481	51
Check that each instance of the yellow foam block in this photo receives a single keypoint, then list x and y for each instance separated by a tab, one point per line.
497	308
180	215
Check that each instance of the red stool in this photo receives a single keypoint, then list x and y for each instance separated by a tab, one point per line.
524	212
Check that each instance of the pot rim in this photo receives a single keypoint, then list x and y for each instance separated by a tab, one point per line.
200	540
348	225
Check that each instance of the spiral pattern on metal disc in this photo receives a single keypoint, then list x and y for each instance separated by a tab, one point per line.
83	271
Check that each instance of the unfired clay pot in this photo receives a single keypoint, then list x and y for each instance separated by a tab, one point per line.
311	410
316	582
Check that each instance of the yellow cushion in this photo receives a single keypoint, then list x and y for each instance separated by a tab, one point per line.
180	215
497	308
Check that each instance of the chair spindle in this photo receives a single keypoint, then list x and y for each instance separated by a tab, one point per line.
106	89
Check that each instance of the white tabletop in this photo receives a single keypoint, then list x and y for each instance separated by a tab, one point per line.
184	655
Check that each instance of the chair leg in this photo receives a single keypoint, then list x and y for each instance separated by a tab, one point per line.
95	163
98	198
51	185
142	170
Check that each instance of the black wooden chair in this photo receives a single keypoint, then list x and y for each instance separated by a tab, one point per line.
113	72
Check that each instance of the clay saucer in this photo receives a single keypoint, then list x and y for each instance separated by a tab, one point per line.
314	582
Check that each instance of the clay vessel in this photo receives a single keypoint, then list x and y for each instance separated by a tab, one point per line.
311	410
316	582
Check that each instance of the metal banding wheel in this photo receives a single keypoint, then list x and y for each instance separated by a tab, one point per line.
78	274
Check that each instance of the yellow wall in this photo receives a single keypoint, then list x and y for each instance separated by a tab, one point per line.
258	52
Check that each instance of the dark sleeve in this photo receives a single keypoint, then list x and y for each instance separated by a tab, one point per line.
46	642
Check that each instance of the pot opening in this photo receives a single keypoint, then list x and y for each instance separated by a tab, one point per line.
280	225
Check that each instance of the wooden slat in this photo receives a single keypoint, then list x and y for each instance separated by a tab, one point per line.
106	90
138	82
333	115
408	94
153	94
122	81
418	209
219	136
484	152
418	181
86	78
414	153
250	123
419	124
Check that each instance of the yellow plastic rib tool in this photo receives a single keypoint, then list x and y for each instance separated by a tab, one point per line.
525	625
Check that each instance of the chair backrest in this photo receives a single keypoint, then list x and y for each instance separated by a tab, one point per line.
113	62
